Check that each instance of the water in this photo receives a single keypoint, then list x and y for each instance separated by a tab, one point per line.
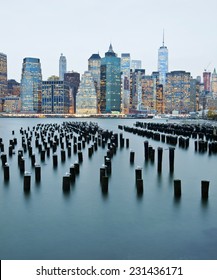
85	224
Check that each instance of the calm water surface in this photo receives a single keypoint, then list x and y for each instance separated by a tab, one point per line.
85	224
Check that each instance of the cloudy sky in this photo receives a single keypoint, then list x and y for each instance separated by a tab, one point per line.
47	28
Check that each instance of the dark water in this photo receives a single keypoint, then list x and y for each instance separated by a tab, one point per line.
85	224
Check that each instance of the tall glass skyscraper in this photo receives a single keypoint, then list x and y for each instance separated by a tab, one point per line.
86	102
110	82
3	74
62	67
125	84
94	63
162	63
31	81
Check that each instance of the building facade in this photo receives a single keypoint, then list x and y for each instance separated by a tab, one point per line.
55	97
86	102
160	109
62	67
125	82
177	93
162	64
194	95
136	103
110	83
73	80
31	82
3	74
94	64
136	64
214	84
207	81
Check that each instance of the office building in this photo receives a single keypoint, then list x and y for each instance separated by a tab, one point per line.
3	79
86	102
194	95
214	84
148	93
207	81
31	81
94	64
73	80
110	83
162	63
62	67
55	97
136	103
125	82
136	64
177	93
13	88
160	109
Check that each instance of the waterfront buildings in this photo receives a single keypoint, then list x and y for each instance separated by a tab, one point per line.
214	84
177	93
3	74
86	102
149	93
31	81
73	80
207	81
110	82
162	63
159	106
136	89
125	82
3	79
62	67
194	95
55	97
94	64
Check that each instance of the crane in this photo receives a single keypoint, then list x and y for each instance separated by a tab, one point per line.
205	69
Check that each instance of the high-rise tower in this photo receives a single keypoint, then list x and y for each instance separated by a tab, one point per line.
125	82
207	81
31	81
86	102
62	67
3	75
110	82
214	84
162	63
94	63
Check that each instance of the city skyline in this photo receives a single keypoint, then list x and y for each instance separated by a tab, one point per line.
89	26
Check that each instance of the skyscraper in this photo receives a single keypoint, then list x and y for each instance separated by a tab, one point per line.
55	97
31	85
62	67
86	102
110	82
136	90
177	94
214	84
162	63
207	81
3	75
73	80
94	63
136	64
125	82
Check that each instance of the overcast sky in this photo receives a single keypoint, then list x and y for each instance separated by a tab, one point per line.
47	28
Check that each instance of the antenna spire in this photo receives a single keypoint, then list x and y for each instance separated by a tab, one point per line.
163	37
